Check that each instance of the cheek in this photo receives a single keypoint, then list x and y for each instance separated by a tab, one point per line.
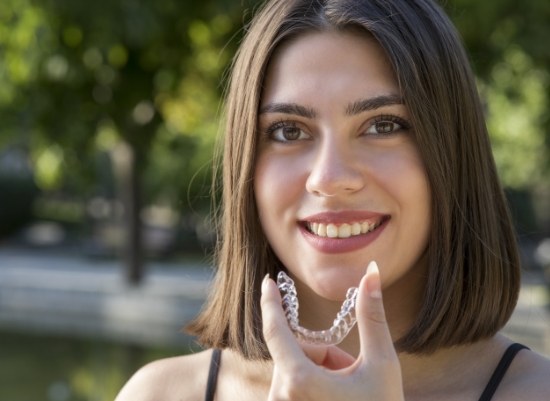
403	176
403	170
277	182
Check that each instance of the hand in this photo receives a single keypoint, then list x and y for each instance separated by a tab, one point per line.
317	373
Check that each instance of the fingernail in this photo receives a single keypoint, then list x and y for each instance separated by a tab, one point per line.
373	281
264	282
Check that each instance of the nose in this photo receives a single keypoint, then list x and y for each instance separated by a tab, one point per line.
335	171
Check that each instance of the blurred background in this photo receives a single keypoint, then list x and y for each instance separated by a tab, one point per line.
108	119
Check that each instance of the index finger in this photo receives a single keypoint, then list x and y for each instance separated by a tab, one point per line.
282	344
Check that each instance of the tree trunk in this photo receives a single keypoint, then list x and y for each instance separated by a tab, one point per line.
126	163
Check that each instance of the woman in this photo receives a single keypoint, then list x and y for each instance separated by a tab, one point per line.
354	133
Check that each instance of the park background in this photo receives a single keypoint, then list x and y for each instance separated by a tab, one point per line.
109	113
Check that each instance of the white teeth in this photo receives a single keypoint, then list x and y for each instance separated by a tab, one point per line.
332	231
342	231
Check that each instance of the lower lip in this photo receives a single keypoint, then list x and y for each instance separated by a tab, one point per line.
342	245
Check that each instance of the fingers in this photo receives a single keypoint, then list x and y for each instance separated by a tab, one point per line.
374	375
282	345
375	337
376	341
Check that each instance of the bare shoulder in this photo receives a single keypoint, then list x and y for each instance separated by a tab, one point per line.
528	378
181	378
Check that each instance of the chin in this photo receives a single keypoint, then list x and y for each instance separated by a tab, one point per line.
334	286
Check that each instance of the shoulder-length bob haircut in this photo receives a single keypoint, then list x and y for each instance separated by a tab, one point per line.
474	269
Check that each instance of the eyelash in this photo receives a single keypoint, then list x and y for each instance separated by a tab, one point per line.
281	124
403	124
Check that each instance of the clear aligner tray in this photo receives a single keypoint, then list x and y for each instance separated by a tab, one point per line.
344	322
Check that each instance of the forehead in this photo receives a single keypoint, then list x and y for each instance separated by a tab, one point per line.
328	63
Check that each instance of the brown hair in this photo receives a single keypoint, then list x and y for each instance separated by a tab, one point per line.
473	262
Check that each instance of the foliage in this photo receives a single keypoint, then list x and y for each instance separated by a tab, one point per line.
517	105
79	77
506	41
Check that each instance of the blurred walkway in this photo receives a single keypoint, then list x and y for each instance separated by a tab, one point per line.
72	295
69	294
530	323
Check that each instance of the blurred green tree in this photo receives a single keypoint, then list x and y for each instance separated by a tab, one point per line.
140	81
506	41
137	79
18	63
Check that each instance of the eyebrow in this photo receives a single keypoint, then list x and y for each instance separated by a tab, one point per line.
354	108
373	104
289	108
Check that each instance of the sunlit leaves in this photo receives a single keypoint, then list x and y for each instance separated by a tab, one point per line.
507	42
22	31
517	102
48	163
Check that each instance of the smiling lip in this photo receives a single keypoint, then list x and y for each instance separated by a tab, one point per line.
327	244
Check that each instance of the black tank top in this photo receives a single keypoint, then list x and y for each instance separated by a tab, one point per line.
487	394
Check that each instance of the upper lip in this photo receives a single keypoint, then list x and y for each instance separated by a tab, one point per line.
346	216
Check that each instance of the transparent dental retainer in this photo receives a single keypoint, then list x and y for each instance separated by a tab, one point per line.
344	322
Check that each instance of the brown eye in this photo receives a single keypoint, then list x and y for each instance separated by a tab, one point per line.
386	125
290	133
286	132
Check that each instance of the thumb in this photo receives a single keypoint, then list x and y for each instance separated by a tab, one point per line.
283	347
374	333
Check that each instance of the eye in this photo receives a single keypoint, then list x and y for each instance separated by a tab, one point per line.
286	131
387	125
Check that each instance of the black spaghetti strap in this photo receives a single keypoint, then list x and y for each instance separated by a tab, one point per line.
213	374
500	371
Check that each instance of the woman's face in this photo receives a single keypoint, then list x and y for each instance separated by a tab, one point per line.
339	181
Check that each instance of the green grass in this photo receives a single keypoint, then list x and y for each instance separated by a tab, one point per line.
47	368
